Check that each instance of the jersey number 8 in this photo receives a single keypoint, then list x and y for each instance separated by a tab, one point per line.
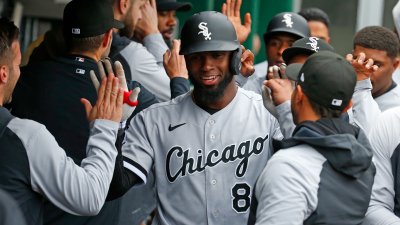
241	197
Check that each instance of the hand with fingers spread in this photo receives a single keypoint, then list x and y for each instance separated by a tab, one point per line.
149	22
275	92
247	60
277	72
231	9
109	101
364	67
175	64
129	96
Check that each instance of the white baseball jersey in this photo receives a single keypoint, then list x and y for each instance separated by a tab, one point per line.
205	165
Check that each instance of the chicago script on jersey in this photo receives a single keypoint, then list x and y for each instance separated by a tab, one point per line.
231	153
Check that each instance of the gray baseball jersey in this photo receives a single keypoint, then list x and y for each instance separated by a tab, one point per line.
385	141
205	165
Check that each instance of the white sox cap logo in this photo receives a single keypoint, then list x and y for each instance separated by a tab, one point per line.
287	18
204	31
313	43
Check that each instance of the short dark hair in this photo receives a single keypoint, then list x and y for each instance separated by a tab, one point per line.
8	34
315	14
88	44
324	112
379	38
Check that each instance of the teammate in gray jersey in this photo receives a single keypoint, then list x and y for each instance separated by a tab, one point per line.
384	208
206	147
382	45
33	167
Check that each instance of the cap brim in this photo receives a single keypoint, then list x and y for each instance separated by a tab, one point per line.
293	51
209	47
293	70
178	6
118	24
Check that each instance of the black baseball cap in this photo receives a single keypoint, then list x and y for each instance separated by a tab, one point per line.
89	18
326	78
306	46
167	5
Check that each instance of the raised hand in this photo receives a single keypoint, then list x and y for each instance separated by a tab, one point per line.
109	101
231	9
175	64
363	67
129	97
247	60
149	22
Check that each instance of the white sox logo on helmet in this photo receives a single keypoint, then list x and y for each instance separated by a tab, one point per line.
230	153
313	43
287	18
204	31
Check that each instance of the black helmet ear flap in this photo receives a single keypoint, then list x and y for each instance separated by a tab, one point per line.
236	63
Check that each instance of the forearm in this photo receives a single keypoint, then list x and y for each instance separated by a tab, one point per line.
365	110
74	189
156	45
179	86
379	215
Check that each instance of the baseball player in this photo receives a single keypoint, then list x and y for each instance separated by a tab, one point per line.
33	167
384	208
318	22
206	147
283	29
380	44
324	173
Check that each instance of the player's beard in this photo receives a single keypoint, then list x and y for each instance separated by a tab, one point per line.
210	94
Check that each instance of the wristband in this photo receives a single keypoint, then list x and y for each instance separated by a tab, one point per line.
127	100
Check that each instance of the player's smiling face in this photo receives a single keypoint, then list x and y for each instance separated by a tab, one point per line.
210	75
208	69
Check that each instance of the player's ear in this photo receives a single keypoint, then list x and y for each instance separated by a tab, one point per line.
299	95
348	106
124	5
3	74
107	38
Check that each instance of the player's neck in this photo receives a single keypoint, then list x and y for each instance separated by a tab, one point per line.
220	103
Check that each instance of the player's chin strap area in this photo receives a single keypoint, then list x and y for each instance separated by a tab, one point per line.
127	100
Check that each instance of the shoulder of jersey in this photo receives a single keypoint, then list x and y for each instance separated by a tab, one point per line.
165	105
26	125
250	94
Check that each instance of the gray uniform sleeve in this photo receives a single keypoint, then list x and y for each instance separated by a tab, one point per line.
137	150
156	45
286	192
384	138
145	69
240	80
74	189
285	118
365	110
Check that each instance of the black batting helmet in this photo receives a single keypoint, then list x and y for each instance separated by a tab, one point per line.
287	22
211	31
